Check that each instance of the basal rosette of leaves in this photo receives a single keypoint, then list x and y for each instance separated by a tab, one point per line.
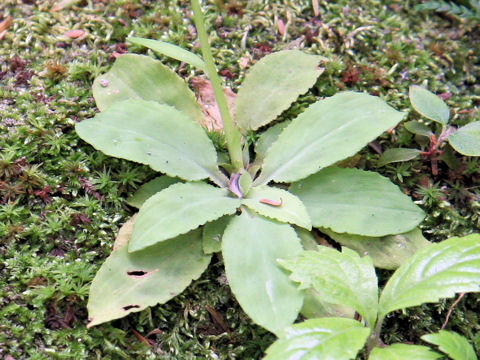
253	213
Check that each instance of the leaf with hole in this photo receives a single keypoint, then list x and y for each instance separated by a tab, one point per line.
438	271
357	202
129	282
143	78
328	131
329	338
251	245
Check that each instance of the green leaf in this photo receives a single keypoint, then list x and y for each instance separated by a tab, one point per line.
129	283
403	352
286	208
307	239
428	104
141	77
357	202
339	278
452	344
212	234
328	131
154	134
251	246
387	252
177	210
272	84
268	137
438	271
315	307
170	50
149	189
418	128
329	338
397	155
466	140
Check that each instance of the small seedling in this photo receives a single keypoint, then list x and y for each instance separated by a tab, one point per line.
198	207
465	140
345	279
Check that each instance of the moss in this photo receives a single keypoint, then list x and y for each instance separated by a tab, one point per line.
61	202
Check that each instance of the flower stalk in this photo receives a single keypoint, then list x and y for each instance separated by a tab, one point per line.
231	132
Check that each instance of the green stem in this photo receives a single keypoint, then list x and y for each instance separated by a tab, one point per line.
231	132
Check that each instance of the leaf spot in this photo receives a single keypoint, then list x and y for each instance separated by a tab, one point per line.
128	307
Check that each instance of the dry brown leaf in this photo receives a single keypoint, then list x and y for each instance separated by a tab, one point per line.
124	234
244	61
206	100
281	27
315	7
217	318
74	34
5	24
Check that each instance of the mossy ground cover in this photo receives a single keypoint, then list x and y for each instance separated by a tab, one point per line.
62	202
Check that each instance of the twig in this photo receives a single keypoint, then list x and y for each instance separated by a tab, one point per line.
450	310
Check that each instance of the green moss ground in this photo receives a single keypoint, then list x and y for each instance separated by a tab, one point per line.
61	202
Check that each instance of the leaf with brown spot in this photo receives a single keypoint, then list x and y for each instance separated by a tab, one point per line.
206	100
164	270
4	26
